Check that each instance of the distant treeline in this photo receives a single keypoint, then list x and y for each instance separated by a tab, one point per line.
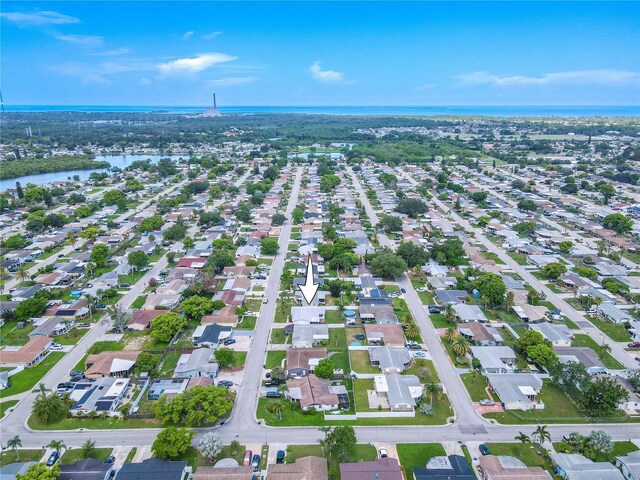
32	166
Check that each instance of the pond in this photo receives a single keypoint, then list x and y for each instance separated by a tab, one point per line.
120	161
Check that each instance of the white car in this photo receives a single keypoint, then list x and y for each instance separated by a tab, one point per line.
382	452
265	300
56	347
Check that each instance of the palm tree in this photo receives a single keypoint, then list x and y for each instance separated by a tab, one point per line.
411	330
449	312
605	348
90	267
23	274
522	438
542	434
450	334
15	443
91	301
4	273
597	301
276	407
72	239
509	300
57	445
460	346
433	389
324	442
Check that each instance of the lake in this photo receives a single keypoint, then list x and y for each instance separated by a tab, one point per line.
120	161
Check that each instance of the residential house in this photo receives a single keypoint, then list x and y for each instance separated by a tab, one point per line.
306	315
161	301
311	391
307	336
379	314
392	335
201	362
24	293
390	359
401	392
210	335
558	334
629	465
304	468
517	391
498	359
103	395
481	334
223	472
468	313
52	326
508	468
379	469
141	319
154	468
302	361
584	355
110	364
166	386
453	467
614	314
27	355
452	297
574	466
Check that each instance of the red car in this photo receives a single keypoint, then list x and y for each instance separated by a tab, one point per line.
634	345
247	458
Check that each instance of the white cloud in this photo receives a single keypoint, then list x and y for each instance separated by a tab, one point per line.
426	86
187	35
195	64
567	78
35	18
326	76
84	40
144	82
111	53
212	35
232	81
100	73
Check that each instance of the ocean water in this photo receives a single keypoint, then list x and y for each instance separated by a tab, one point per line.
492	111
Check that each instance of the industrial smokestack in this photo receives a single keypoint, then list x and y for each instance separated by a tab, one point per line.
214	101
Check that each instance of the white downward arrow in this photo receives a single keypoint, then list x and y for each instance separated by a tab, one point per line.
309	289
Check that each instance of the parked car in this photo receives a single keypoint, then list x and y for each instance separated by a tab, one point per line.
484	450
225	383
124	285
53	458
83	325
77	378
56	347
382	453
109	459
265	300
634	345
487	402
75	373
420	354
274	394
403	290
434	309
280	456
247	458
413	346
229	341
255	463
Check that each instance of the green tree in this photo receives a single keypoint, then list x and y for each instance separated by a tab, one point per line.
111	197
542	355
57	445
607	190
601	397
151	224
30	308
197	407
388	265
39	471
341	441
269	246
523	439
492	287
100	255
146	362
618	223
138	259
14	444
196	307
529	339
172	442
89	449
224	357
542	434
525	227
527	206
390	223
460	345
325	368
165	326
554	270
278	219
412	207
565	246
413	254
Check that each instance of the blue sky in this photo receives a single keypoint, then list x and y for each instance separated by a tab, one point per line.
313	53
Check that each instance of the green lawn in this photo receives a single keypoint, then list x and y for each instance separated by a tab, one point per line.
337	339
282	314
518	257
247	323
619	448
106	346
360	362
581	340
139	302
401	309
278	336
4	406
93	423
10	335
476	386
169	363
416	455
440	321
131	454
72	337
29	377
616	332
72	456
275	358
360	387
10	456
526	453
333	316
